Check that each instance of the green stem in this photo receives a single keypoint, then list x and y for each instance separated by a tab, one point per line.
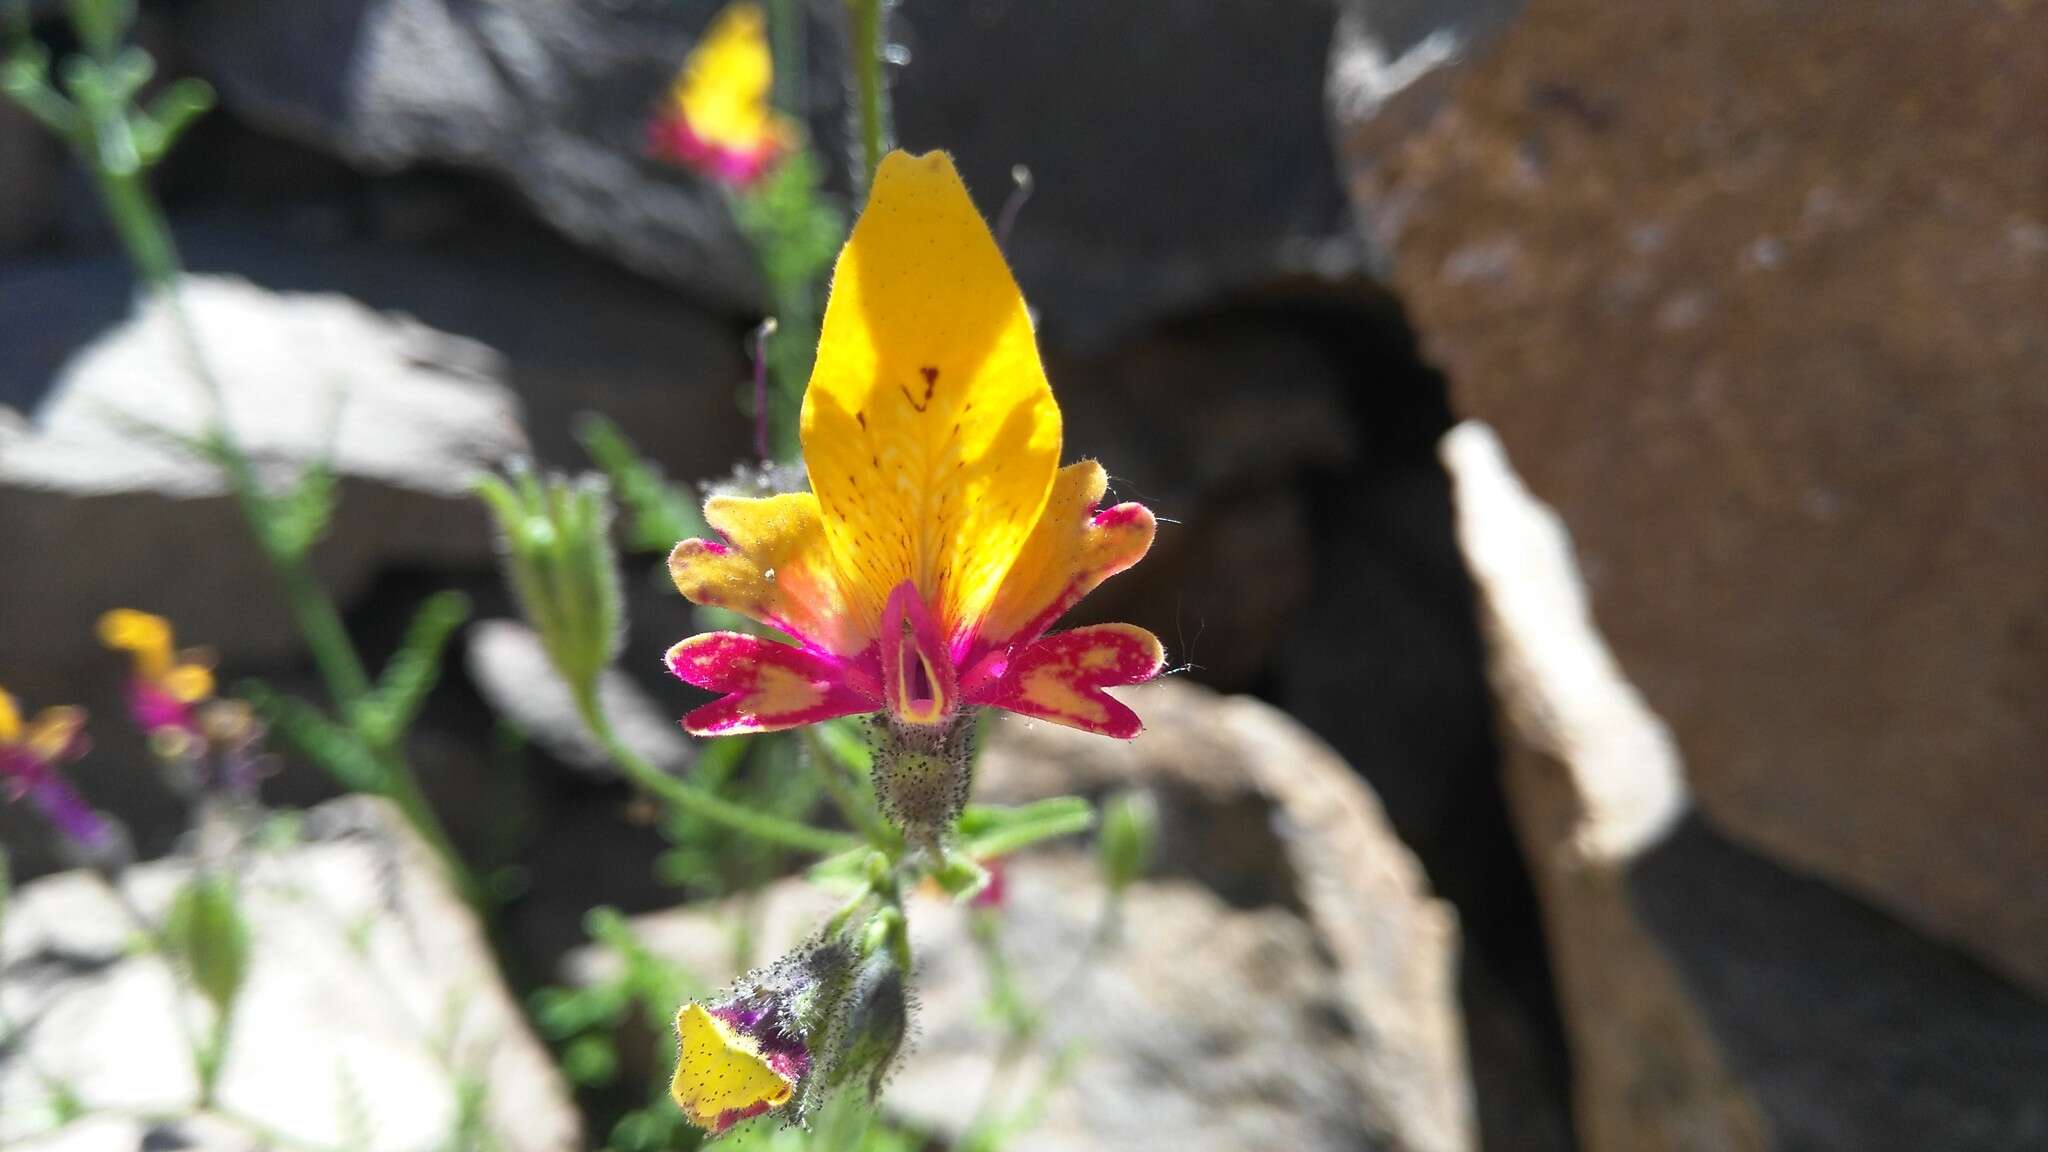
213	1056
139	221
864	44
402	788
786	39
846	791
140	227
704	805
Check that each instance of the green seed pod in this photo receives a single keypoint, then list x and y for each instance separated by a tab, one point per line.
1129	837
557	553
208	938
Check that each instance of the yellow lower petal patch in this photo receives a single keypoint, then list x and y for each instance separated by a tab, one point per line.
189	683
929	429
776	568
10	719
53	732
1069	553
721	1078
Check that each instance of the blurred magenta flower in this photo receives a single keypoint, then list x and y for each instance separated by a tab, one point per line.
718	119
941	538
32	755
993	893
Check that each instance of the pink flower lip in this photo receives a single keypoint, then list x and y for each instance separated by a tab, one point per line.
670	137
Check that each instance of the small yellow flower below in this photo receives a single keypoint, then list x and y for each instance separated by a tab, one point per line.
721	1077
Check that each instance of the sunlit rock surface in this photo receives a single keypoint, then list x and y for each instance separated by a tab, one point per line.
372	1000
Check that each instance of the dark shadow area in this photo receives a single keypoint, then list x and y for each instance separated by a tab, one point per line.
1386	663
1008	82
1850	1030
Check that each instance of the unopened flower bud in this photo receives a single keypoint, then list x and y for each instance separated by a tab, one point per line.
209	938
558	558
872	1026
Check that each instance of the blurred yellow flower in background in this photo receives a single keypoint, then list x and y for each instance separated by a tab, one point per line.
719	119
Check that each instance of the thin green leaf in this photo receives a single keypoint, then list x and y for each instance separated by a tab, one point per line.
988	832
658	512
304	728
413	670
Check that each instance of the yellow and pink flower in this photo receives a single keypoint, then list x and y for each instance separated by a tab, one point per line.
165	686
32	756
941	539
719	119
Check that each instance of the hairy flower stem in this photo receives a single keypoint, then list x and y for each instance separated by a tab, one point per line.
702	804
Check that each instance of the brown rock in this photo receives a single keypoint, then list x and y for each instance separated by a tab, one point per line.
1754	294
1714	1001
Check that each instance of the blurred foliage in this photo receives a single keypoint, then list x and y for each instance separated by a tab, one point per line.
796	229
657	512
555	537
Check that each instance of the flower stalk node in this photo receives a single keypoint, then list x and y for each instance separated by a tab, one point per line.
923	774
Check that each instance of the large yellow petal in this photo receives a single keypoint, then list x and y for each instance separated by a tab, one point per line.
929	429
10	719
1073	549
720	1077
775	567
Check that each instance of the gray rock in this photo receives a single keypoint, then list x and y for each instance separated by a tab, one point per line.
1284	981
551	98
1179	149
372	997
1713	999
118	513
29	177
1217	181
1262	811
511	669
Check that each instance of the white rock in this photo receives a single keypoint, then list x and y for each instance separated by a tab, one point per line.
511	669
371	994
303	377
111	511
